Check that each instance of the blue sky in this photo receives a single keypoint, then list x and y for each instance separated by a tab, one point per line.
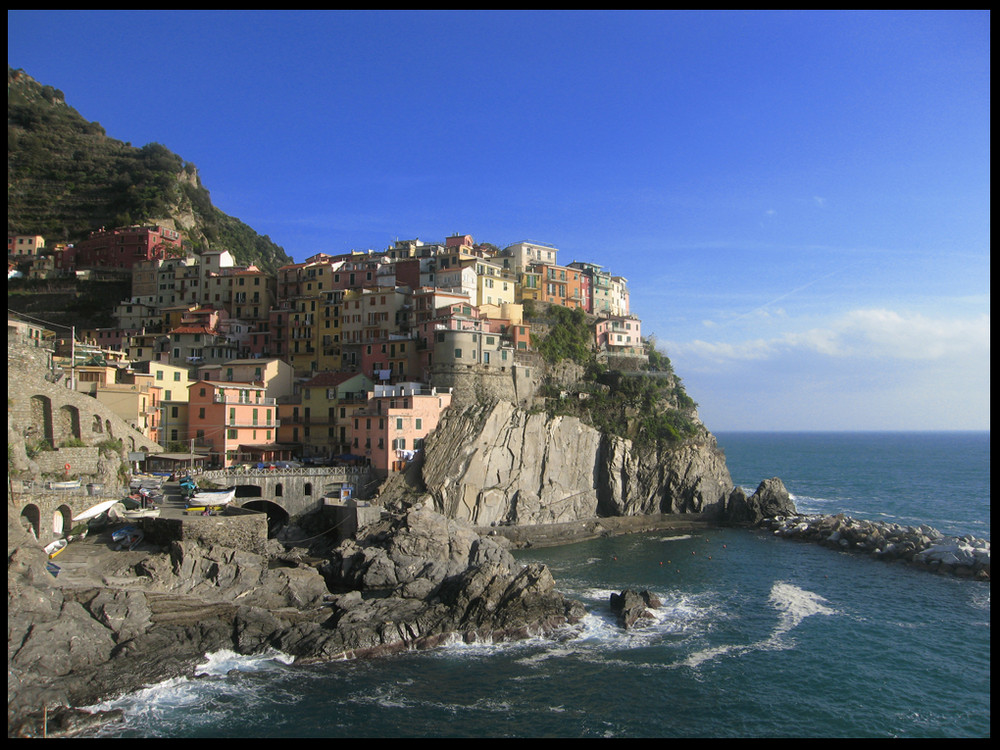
799	200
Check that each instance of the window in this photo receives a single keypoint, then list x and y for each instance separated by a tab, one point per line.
399	424
177	376
419	423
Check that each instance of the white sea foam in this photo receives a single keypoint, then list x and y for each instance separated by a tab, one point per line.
225	661
794	605
148	706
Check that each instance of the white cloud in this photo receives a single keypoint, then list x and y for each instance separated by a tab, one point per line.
867	333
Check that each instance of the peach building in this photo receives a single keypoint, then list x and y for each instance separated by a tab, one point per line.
390	431
232	421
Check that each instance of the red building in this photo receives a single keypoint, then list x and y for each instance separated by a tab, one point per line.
125	246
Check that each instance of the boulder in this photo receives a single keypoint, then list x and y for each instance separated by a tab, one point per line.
631	606
770	500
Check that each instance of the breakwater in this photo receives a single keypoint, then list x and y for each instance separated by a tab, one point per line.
922	546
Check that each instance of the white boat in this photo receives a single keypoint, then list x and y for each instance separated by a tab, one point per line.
54	548
212	497
131	515
120	513
94	511
73	484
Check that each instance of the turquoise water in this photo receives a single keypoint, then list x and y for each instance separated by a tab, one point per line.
758	636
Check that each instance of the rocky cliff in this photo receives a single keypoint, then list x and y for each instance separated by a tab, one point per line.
496	464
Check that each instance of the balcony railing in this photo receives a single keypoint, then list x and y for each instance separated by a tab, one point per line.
224	399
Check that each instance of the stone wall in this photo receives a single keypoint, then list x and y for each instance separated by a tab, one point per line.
481	383
82	461
237	528
39	409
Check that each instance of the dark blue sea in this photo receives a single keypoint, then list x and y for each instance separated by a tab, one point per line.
758	636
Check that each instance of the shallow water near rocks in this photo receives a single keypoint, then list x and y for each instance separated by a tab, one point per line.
757	636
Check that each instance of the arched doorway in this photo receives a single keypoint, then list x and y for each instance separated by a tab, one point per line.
30	519
62	520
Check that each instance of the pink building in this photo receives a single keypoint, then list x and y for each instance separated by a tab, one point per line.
619	335
390	431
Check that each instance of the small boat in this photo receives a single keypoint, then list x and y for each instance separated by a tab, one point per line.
94	510
132	515
212	497
54	548
72	484
127	537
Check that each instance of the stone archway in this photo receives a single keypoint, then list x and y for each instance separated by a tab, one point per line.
41	414
31	519
277	516
69	423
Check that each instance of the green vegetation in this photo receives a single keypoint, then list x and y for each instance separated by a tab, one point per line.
35	446
570	337
649	407
67	302
65	178
110	447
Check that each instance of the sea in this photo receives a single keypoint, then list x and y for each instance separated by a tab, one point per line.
758	636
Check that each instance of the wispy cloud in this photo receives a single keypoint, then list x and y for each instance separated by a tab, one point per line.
872	333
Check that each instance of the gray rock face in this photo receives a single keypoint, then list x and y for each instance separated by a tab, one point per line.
921	546
497	464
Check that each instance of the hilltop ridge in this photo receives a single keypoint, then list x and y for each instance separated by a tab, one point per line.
66	177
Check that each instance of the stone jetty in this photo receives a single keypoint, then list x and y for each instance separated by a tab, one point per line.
921	546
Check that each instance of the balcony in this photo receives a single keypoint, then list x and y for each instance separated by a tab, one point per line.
220	398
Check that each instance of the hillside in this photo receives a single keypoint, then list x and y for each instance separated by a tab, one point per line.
66	177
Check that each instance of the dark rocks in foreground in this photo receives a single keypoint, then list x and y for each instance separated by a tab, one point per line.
413	581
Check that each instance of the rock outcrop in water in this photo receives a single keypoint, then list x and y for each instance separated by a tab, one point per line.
771	499
496	464
921	546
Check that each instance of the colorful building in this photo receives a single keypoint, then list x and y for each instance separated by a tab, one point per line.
389	431
233	422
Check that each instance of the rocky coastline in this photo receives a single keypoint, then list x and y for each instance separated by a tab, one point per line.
412	580
920	546
415	579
